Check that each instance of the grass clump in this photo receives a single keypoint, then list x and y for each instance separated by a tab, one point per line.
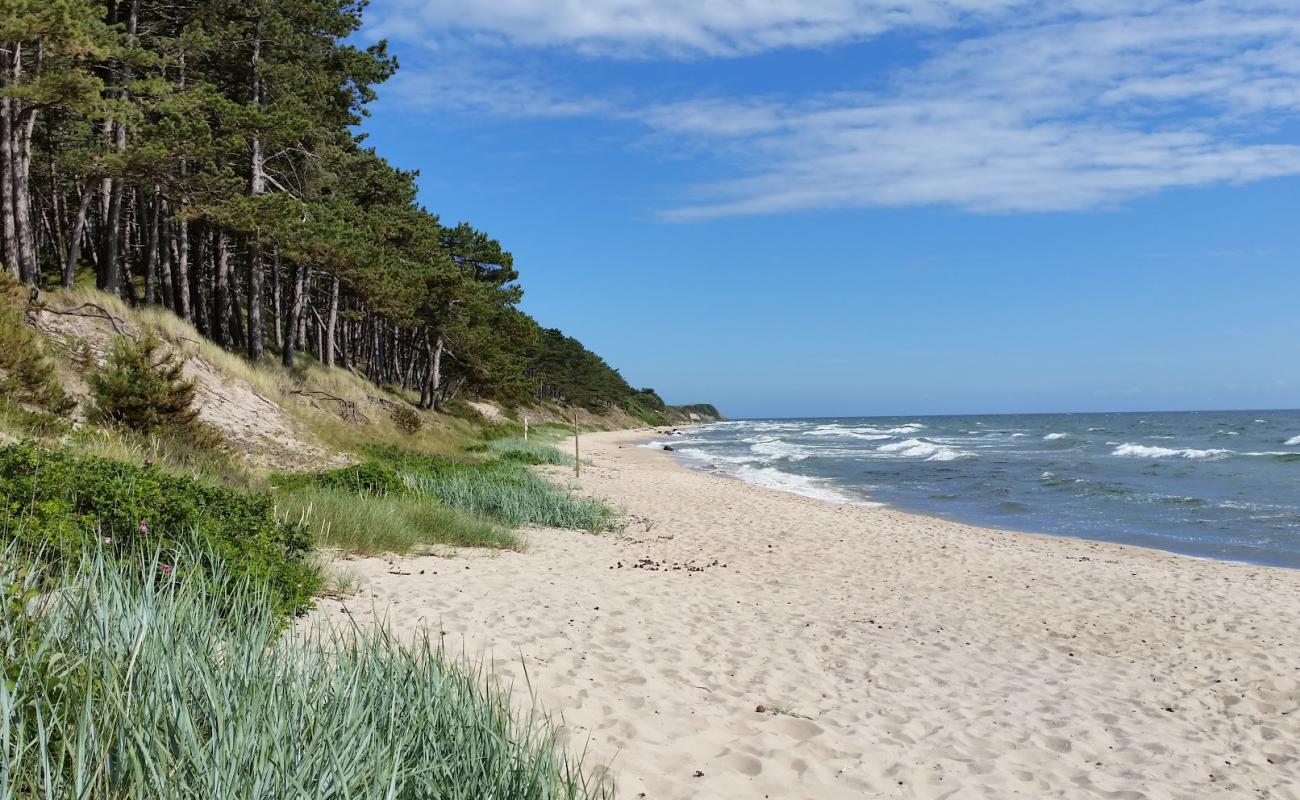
394	523
51	500
503	489
527	451
508	492
120	686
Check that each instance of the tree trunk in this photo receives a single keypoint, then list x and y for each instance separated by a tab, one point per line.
277	303
198	304
331	323
111	280
257	187
23	130
221	290
294	315
8	53
151	251
78	230
179	242
112	270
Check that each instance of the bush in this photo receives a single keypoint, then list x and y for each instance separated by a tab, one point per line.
407	420
143	389
26	375
389	524
125	687
368	477
54	500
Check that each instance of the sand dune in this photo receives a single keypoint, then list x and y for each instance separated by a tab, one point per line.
896	655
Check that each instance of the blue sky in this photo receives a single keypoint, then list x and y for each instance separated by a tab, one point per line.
842	207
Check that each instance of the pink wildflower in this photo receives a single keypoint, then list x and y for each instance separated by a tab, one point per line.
108	540
143	527
166	569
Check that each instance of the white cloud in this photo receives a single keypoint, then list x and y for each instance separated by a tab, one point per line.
672	27
1059	106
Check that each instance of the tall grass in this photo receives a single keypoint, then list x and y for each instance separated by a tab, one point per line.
510	493
393	523
122	685
528	451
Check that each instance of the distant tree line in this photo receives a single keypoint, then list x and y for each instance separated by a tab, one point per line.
201	155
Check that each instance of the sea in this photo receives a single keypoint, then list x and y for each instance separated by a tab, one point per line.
1212	484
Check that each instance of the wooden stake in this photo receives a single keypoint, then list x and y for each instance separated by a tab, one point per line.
577	456
525	427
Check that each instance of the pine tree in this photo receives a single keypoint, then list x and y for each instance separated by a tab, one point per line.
142	388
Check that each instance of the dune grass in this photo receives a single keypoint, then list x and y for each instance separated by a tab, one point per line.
121	683
391	523
508	492
528	451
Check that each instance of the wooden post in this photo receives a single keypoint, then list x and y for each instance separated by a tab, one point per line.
577	456
525	427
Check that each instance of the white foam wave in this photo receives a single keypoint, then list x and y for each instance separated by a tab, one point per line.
1144	451
867	433
1018	435
779	449
1294	441
919	448
798	484
659	444
1052	437
713	460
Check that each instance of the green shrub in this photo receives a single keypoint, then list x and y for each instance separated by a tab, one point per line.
407	420
368	477
143	389
395	523
26	375
125	687
52	501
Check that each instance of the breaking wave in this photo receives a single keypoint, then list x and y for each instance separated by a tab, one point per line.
1144	451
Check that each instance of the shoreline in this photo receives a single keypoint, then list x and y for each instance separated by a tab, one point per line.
868	501
910	656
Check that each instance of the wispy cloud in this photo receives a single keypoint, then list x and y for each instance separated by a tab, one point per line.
676	28
1023	106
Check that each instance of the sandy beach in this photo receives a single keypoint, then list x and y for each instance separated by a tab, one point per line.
894	655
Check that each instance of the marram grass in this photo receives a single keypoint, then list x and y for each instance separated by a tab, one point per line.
511	494
391	523
528	451
138	684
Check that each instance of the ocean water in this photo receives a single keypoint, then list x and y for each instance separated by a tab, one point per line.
1216	484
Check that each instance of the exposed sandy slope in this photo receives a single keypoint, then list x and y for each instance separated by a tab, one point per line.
925	658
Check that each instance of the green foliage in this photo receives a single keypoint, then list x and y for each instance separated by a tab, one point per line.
394	523
528	452
503	490
127	687
54	501
26	375
407	420
369	477
143	389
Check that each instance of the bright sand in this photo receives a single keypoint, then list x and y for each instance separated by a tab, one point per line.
917	658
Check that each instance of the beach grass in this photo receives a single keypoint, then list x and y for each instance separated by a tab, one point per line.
131	681
508	492
390	523
528	451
